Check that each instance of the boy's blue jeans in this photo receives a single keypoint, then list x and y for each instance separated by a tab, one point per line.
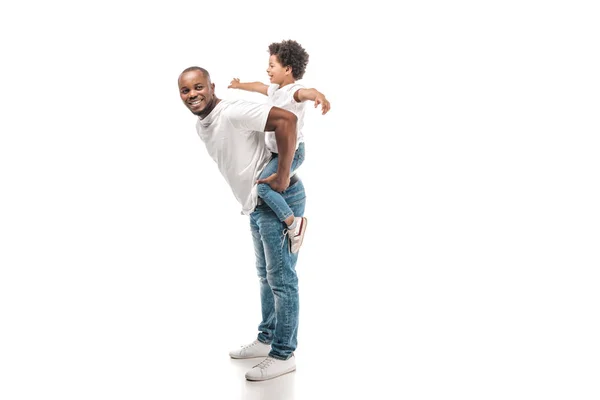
271	197
276	268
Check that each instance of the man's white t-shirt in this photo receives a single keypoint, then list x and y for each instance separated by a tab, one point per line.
233	133
284	98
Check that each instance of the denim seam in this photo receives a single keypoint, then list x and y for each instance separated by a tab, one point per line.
287	333
280	262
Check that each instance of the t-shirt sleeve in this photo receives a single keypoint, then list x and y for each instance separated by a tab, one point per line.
246	115
272	89
292	91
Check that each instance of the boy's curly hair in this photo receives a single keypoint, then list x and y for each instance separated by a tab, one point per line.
290	54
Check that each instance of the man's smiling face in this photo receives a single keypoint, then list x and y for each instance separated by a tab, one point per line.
197	92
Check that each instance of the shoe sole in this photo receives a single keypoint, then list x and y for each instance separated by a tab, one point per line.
271	377
247	358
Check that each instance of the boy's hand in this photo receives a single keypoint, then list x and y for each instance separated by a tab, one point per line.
325	106
234	83
277	184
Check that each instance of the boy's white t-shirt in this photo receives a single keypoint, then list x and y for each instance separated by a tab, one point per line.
284	98
233	134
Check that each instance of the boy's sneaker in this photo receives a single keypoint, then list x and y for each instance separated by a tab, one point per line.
252	350
296	236
271	368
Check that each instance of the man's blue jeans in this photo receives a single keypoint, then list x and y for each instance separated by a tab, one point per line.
276	267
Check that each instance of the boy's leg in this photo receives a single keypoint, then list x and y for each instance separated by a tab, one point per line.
273	199
296	225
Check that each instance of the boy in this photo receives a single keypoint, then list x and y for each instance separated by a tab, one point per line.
287	64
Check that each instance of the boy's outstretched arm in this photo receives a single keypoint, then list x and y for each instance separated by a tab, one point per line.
314	95
257	87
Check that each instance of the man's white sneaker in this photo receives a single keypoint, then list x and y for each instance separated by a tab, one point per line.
271	368
296	236
252	350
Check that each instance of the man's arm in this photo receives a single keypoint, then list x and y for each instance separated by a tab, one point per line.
283	123
314	95
257	87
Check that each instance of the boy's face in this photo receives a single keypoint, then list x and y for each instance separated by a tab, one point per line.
277	72
197	92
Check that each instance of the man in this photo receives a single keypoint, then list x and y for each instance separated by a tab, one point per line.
233	132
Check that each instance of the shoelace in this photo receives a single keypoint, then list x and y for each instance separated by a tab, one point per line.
246	347
265	363
285	233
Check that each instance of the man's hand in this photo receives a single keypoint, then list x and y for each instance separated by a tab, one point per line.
277	184
234	83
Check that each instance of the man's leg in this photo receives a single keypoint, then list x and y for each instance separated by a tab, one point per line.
283	281
266	329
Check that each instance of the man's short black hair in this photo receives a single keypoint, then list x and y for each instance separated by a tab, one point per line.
194	68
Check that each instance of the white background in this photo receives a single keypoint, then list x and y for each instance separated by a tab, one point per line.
453	194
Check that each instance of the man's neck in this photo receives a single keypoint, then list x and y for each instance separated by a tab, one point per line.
207	110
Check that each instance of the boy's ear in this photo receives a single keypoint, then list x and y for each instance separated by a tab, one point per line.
288	69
